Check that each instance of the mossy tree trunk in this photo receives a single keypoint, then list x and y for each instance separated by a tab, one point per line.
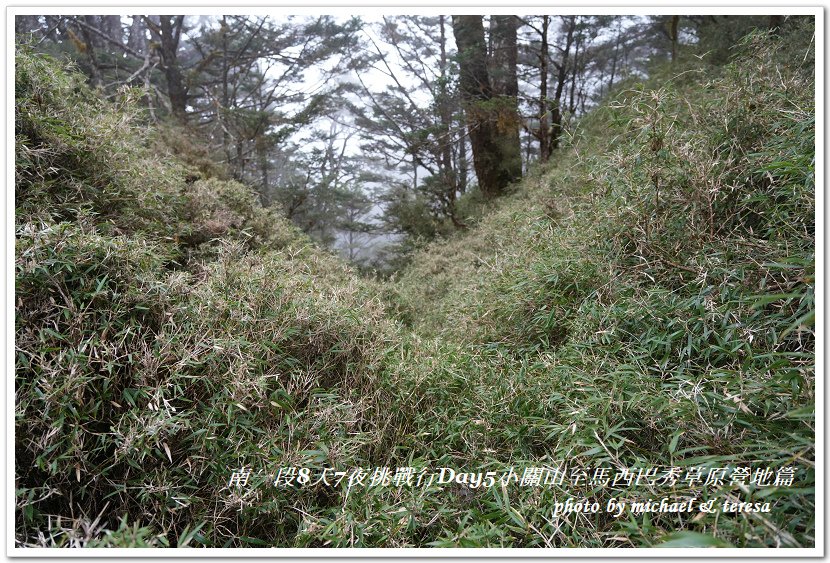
168	33
493	151
503	59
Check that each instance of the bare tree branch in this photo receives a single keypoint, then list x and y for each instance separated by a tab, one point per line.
107	38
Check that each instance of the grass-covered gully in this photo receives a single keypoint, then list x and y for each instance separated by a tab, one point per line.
629	321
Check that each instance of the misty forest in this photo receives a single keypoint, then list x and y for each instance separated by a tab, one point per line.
414	281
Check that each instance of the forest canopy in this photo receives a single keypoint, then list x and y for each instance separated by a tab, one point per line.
375	134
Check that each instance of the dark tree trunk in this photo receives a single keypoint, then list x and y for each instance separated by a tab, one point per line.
574	73
264	192
225	103
544	121
673	30
137	39
112	27
561	79
504	54
169	31
505	83
445	161
477	92
614	61
95	79
93	40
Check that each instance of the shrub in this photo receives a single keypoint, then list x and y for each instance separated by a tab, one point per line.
650	298
140	385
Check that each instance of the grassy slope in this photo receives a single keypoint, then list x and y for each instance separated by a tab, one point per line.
587	320
604	323
168	330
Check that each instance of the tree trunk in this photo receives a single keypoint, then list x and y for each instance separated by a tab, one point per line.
112	27
137	38
674	22
95	79
544	126
477	93
262	154
170	28
561	79
506	87
462	165
614	60
94	40
445	162
224	106
502	67
574	72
